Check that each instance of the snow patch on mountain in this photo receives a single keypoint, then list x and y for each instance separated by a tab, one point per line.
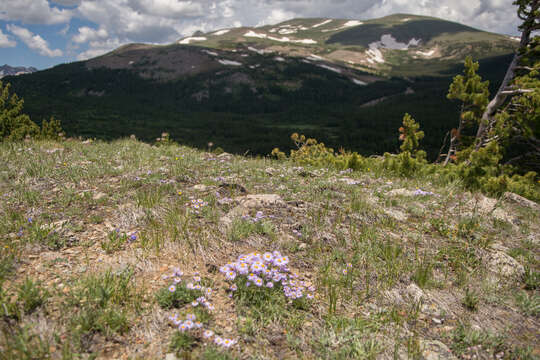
190	39
229	62
330	68
323	23
348	24
358	82
314	57
287	31
427	53
374	55
252	33
221	32
304	41
258	51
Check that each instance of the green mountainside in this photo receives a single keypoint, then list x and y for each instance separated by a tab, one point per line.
345	82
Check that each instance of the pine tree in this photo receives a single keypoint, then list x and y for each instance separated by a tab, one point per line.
411	137
14	125
474	95
51	129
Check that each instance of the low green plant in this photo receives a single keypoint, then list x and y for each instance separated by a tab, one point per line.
114	242
260	303
101	304
464	337
8	308
31	296
528	304
470	301
213	353
423	273
176	296
182	343
242	228
311	152
531	278
23	344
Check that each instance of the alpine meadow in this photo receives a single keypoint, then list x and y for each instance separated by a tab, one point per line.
319	188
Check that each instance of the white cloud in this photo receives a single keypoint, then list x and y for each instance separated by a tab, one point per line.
67	2
33	12
169	8
492	15
64	30
277	16
88	34
5	41
98	48
34	42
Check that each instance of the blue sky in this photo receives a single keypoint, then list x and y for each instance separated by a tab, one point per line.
43	33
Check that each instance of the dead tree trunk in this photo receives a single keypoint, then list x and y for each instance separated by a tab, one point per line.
488	117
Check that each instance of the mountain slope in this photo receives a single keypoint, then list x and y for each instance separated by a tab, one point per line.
345	82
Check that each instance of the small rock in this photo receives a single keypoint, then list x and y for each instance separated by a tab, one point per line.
350	181
234	213
520	200
170	356
435	350
400	192
99	196
534	238
260	200
302	246
396	214
414	292
270	171
482	204
393	296
505	265
502	215
200	187
230	189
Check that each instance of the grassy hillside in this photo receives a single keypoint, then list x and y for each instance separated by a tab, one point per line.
94	234
248	109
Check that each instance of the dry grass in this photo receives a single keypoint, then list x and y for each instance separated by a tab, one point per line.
422	269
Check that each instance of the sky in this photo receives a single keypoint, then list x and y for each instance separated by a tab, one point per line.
44	33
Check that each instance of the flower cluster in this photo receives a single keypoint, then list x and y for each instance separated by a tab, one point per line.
258	217
297	232
196	204
345	271
420	192
190	322
267	270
